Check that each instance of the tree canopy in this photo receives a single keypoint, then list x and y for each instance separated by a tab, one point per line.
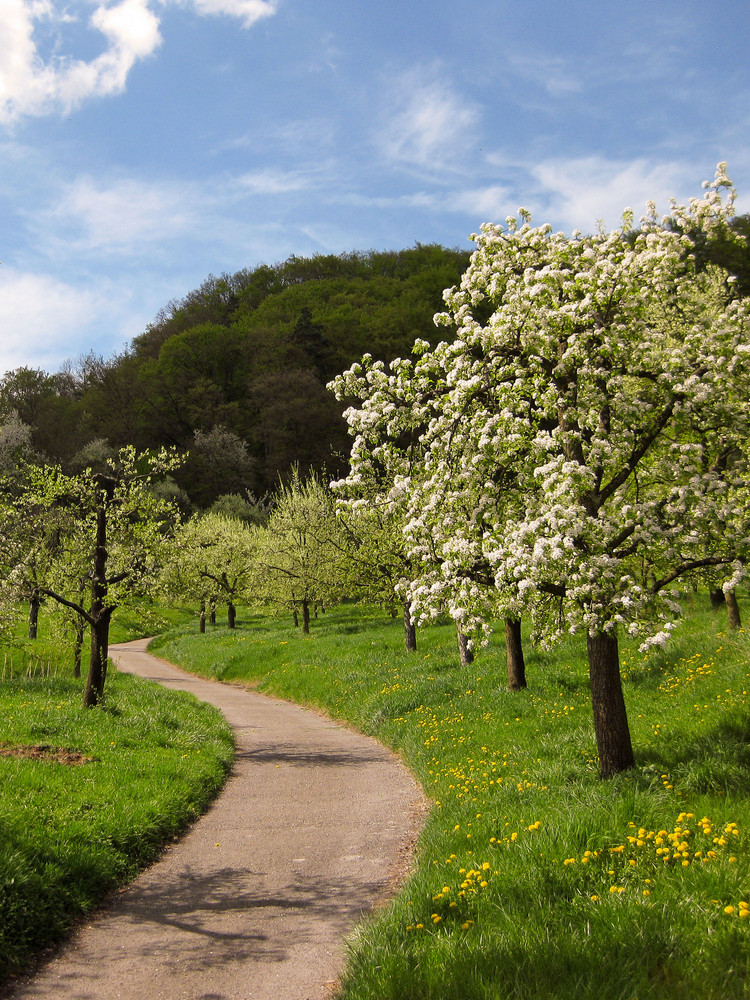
581	434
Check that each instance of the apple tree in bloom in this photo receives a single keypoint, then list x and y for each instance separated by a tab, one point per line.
583	433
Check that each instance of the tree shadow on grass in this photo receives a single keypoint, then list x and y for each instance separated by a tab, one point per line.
716	761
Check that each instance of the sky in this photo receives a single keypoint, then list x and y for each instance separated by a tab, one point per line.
146	144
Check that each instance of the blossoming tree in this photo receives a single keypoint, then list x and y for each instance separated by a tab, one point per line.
580	420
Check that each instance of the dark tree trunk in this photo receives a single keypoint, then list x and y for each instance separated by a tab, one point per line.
608	702
306	616
410	631
514	654
100	615
296	617
202	618
98	663
717	598
34	603
212	614
464	651
735	622
78	647
231	615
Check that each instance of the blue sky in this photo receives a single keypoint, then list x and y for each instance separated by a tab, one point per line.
145	144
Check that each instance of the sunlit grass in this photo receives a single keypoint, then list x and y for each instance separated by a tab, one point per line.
535	877
88	797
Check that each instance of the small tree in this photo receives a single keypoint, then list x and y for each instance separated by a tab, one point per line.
212	558
111	530
298	556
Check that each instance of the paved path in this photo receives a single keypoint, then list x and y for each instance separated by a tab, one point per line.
312	828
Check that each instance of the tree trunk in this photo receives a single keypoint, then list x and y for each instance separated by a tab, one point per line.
231	615
514	654
296	617
212	614
717	598
202	618
735	622
98	663
100	615
78	648
305	617
464	651
608	703
34	603
410	631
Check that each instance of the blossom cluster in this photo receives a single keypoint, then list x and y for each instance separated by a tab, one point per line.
579	440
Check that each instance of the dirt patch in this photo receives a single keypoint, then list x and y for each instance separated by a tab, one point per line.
44	752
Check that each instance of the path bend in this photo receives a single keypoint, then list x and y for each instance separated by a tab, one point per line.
311	830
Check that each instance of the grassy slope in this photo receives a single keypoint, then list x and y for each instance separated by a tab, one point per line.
534	877
69	833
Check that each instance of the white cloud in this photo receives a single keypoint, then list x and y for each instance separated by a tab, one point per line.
122	216
548	72
43	319
580	192
273	182
248	11
487	204
429	125
29	85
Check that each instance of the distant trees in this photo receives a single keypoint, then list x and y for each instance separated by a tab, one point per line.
212	559
247	355
299	548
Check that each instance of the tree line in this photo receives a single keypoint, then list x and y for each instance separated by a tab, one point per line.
234	375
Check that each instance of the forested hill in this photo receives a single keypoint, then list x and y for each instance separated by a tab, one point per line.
236	371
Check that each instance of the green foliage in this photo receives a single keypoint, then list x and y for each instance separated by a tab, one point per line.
561	882
298	555
249	353
211	558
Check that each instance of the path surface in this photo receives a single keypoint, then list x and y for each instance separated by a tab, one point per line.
311	829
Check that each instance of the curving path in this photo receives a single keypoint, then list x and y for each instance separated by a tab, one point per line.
313	828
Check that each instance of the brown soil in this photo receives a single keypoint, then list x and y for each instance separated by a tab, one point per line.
58	755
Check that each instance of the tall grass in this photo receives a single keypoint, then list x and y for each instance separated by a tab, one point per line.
534	877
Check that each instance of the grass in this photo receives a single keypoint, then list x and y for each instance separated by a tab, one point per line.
533	876
89	797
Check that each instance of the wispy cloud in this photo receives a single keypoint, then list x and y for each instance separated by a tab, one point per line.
42	318
130	29
580	192
120	217
265	182
551	73
427	124
248	11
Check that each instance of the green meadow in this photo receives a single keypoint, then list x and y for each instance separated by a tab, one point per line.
533	877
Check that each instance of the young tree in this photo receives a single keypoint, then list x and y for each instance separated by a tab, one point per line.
212	558
374	563
571	414
299	549
112	527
